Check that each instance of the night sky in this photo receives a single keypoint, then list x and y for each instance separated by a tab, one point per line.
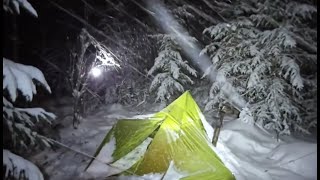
52	29
34	34
31	41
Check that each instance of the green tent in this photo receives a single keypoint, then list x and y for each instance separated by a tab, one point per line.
172	141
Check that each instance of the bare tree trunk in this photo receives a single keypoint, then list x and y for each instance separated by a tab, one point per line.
76	114
77	96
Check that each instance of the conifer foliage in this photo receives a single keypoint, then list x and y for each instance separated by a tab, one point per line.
19	123
267	50
172	73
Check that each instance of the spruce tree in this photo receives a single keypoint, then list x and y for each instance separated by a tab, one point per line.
172	73
20	122
267	49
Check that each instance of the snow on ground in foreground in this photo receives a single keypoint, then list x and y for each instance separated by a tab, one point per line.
63	164
171	174
247	151
252	154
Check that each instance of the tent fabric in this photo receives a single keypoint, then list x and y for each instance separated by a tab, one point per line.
179	137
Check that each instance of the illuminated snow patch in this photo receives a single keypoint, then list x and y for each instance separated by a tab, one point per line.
150	176
173	173
132	157
99	169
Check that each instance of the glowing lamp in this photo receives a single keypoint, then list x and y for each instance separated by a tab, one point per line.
95	71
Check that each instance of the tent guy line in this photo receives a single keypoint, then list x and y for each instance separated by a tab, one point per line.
128	171
88	155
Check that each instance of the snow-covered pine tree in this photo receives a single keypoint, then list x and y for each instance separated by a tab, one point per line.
172	73
13	6
268	52
19	122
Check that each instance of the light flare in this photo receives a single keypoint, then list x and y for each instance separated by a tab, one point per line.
96	71
192	49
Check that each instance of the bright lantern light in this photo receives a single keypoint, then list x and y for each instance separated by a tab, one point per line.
95	71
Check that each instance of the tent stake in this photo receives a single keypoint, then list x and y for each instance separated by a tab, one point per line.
218	126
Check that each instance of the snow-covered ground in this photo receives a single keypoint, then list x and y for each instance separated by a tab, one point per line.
247	151
253	154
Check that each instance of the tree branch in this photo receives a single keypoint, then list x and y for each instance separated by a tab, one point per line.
203	15
304	44
99	32
95	10
130	16
214	10
225	5
146	10
95	29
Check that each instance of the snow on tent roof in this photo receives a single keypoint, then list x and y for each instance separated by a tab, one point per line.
179	135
